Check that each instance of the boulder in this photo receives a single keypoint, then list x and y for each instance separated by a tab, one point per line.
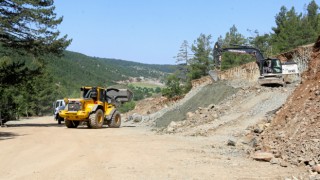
211	106
275	161
135	117
316	168
231	143
262	156
171	127
189	114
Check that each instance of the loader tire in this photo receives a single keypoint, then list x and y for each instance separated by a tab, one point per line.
96	119
72	124
115	121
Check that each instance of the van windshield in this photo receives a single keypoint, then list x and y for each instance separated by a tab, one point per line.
57	104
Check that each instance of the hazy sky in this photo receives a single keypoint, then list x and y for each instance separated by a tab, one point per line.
151	31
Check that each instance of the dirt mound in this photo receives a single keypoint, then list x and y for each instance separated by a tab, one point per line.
232	117
210	94
154	104
294	134
150	105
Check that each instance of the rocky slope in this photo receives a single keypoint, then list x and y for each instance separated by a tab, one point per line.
276	124
294	133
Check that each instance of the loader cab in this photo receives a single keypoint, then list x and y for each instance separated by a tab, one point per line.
95	93
271	66
89	93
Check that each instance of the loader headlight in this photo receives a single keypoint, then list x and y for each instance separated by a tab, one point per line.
74	106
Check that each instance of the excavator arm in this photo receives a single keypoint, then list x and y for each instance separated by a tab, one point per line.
218	51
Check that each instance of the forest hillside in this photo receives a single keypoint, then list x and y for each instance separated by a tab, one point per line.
75	69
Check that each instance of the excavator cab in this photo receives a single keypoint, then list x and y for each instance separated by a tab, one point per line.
271	72
272	66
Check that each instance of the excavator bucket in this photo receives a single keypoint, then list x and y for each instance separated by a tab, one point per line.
214	75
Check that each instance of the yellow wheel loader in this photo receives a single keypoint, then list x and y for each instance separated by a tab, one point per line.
96	107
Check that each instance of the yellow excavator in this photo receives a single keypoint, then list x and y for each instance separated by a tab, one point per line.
270	68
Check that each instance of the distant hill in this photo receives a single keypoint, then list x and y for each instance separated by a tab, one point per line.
74	70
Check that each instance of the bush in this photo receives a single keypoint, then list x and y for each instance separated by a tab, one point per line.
173	87
126	107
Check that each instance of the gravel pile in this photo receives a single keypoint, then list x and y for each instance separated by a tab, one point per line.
209	94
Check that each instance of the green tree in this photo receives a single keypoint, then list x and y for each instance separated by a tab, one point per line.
183	56
310	24
158	90
14	70
126	107
43	92
233	38
313	16
201	62
261	42
287	32
294	29
28	33
280	20
173	87
31	26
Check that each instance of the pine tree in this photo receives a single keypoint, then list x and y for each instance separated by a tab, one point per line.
310	24
173	87
294	29
313	16
288	30
280	20
262	42
183	56
28	32
233	38
31	26
201	62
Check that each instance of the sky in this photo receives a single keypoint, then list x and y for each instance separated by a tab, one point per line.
152	31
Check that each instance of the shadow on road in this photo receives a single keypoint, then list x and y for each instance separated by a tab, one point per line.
104	127
130	126
54	124
7	135
35	125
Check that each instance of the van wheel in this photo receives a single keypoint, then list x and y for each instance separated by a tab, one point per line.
60	119
115	121
96	119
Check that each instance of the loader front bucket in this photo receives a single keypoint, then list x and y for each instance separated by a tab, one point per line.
214	75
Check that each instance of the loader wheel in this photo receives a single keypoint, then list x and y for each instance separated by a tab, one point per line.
72	124
115	121
96	119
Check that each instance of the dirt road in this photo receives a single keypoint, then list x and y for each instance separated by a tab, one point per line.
38	148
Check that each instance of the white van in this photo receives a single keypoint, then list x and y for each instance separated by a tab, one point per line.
57	106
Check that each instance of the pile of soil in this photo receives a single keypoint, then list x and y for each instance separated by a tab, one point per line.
150	105
237	121
294	134
210	94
